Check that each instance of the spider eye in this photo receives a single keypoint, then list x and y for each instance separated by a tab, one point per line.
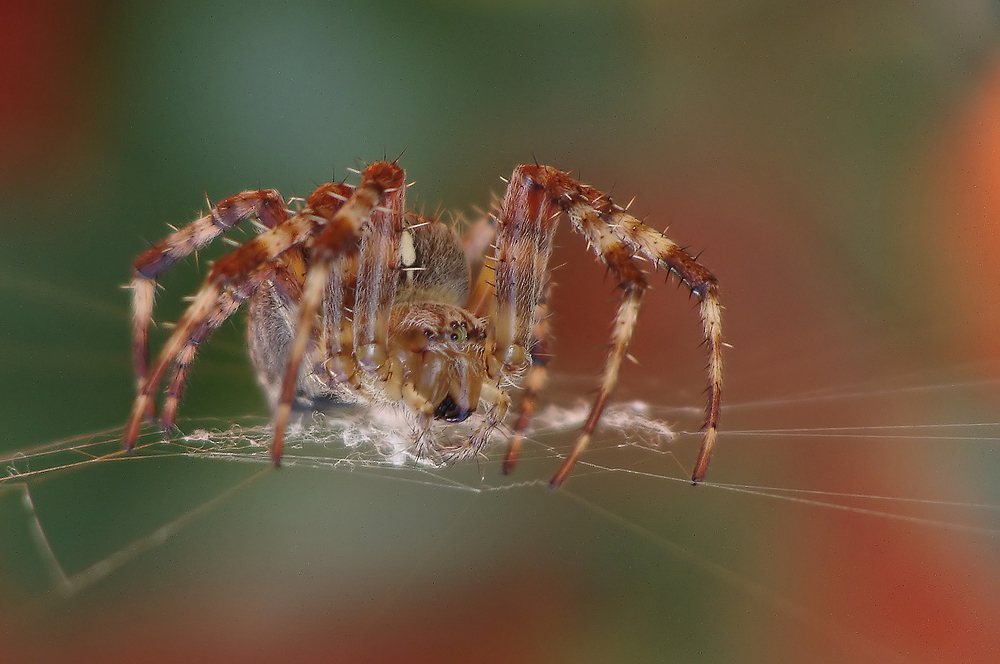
460	333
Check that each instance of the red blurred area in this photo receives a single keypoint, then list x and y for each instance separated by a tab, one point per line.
888	588
47	78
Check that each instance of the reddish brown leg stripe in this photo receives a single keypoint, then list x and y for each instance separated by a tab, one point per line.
340	236
228	303
266	205
624	326
175	387
597	217
534	382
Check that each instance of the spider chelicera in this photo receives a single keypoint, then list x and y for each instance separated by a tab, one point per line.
354	299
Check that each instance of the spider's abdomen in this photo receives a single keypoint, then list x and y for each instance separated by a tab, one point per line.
269	337
433	263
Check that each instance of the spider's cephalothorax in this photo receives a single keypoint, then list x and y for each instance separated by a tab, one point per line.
353	299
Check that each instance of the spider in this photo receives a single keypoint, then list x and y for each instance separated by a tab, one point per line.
353	299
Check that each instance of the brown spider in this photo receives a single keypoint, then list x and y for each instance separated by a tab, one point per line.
355	300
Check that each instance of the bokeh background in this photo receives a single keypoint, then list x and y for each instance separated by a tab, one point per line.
837	162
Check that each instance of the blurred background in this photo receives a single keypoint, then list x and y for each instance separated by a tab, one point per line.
837	163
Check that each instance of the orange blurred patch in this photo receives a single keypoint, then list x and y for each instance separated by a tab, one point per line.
970	216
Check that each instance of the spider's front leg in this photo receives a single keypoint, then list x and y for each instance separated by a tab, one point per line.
381	196
534	381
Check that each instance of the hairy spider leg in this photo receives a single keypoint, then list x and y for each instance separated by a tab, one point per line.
527	223
381	181
337	336
480	237
534	381
663	252
478	242
233	269
378	272
631	280
267	205
616	237
227	304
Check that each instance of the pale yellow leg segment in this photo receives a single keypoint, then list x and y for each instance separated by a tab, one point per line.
625	321
534	382
711	314
312	295
656	247
340	235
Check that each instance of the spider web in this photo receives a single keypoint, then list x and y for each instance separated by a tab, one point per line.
635	436
639	445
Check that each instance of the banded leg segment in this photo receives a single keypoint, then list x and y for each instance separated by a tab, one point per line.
617	236
340	236
630	278
658	248
233	269
266	205
527	224
534	381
